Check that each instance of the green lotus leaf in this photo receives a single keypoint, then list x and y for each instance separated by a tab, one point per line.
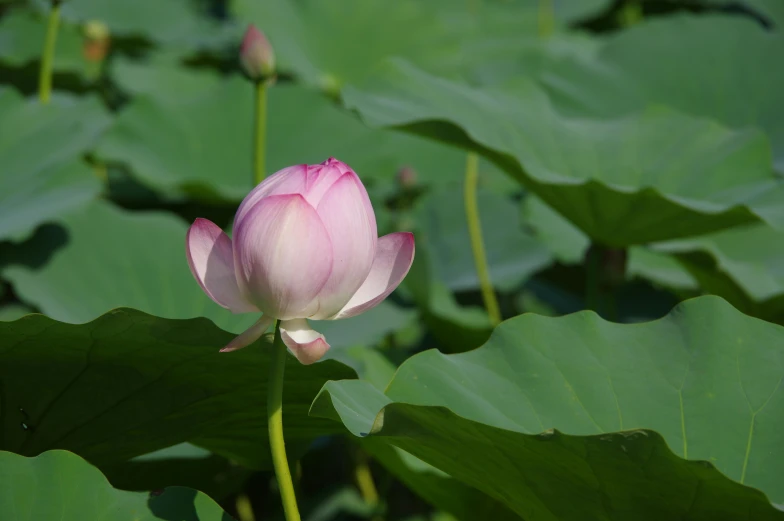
652	175
75	490
43	176
128	383
576	418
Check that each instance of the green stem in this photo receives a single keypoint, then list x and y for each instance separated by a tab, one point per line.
261	131
475	233
593	279
45	74
275	424
546	18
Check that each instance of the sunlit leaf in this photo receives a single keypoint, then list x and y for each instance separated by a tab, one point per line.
576	418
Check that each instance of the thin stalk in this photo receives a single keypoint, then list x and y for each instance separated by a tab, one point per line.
593	279
260	132
365	481
275	424
546	18
47	59
475	233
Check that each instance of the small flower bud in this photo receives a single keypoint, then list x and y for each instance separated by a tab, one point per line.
256	55
407	178
96	40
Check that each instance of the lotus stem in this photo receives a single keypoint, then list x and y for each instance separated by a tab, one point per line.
367	487
47	59
275	425
475	233
546	18
260	132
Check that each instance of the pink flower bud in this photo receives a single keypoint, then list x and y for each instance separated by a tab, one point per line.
304	245
256	55
407	177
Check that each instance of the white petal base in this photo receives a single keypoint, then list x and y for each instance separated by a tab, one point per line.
308	346
250	335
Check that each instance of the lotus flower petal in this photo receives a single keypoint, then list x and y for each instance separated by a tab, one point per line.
282	256
394	255
348	217
291	180
250	335
210	258
307	345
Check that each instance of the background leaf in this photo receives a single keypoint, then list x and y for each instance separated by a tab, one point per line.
598	174
75	490
36	187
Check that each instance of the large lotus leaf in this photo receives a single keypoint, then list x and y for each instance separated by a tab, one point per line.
713	66
203	144
129	383
745	265
41	174
576	418
657	174
60	485
512	254
22	36
318	40
174	22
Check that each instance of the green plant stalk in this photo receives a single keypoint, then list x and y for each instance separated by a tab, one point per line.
275	425
593	279
546	18
47	59
260	134
475	233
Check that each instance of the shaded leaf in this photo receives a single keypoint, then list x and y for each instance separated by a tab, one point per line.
128	384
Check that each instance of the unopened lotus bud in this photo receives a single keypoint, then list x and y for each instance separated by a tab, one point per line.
96	41
407	178
256	55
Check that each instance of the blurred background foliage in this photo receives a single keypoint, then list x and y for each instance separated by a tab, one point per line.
637	141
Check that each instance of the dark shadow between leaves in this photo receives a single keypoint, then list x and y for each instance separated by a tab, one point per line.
177	504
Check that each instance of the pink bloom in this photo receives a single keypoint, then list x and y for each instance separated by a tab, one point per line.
256	55
305	246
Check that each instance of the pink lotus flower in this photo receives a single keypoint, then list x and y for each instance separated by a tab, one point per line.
305	246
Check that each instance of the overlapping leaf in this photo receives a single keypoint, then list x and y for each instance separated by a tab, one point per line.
711	66
653	175
318	40
676	436
73	489
43	176
128	383
744	265
203	145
